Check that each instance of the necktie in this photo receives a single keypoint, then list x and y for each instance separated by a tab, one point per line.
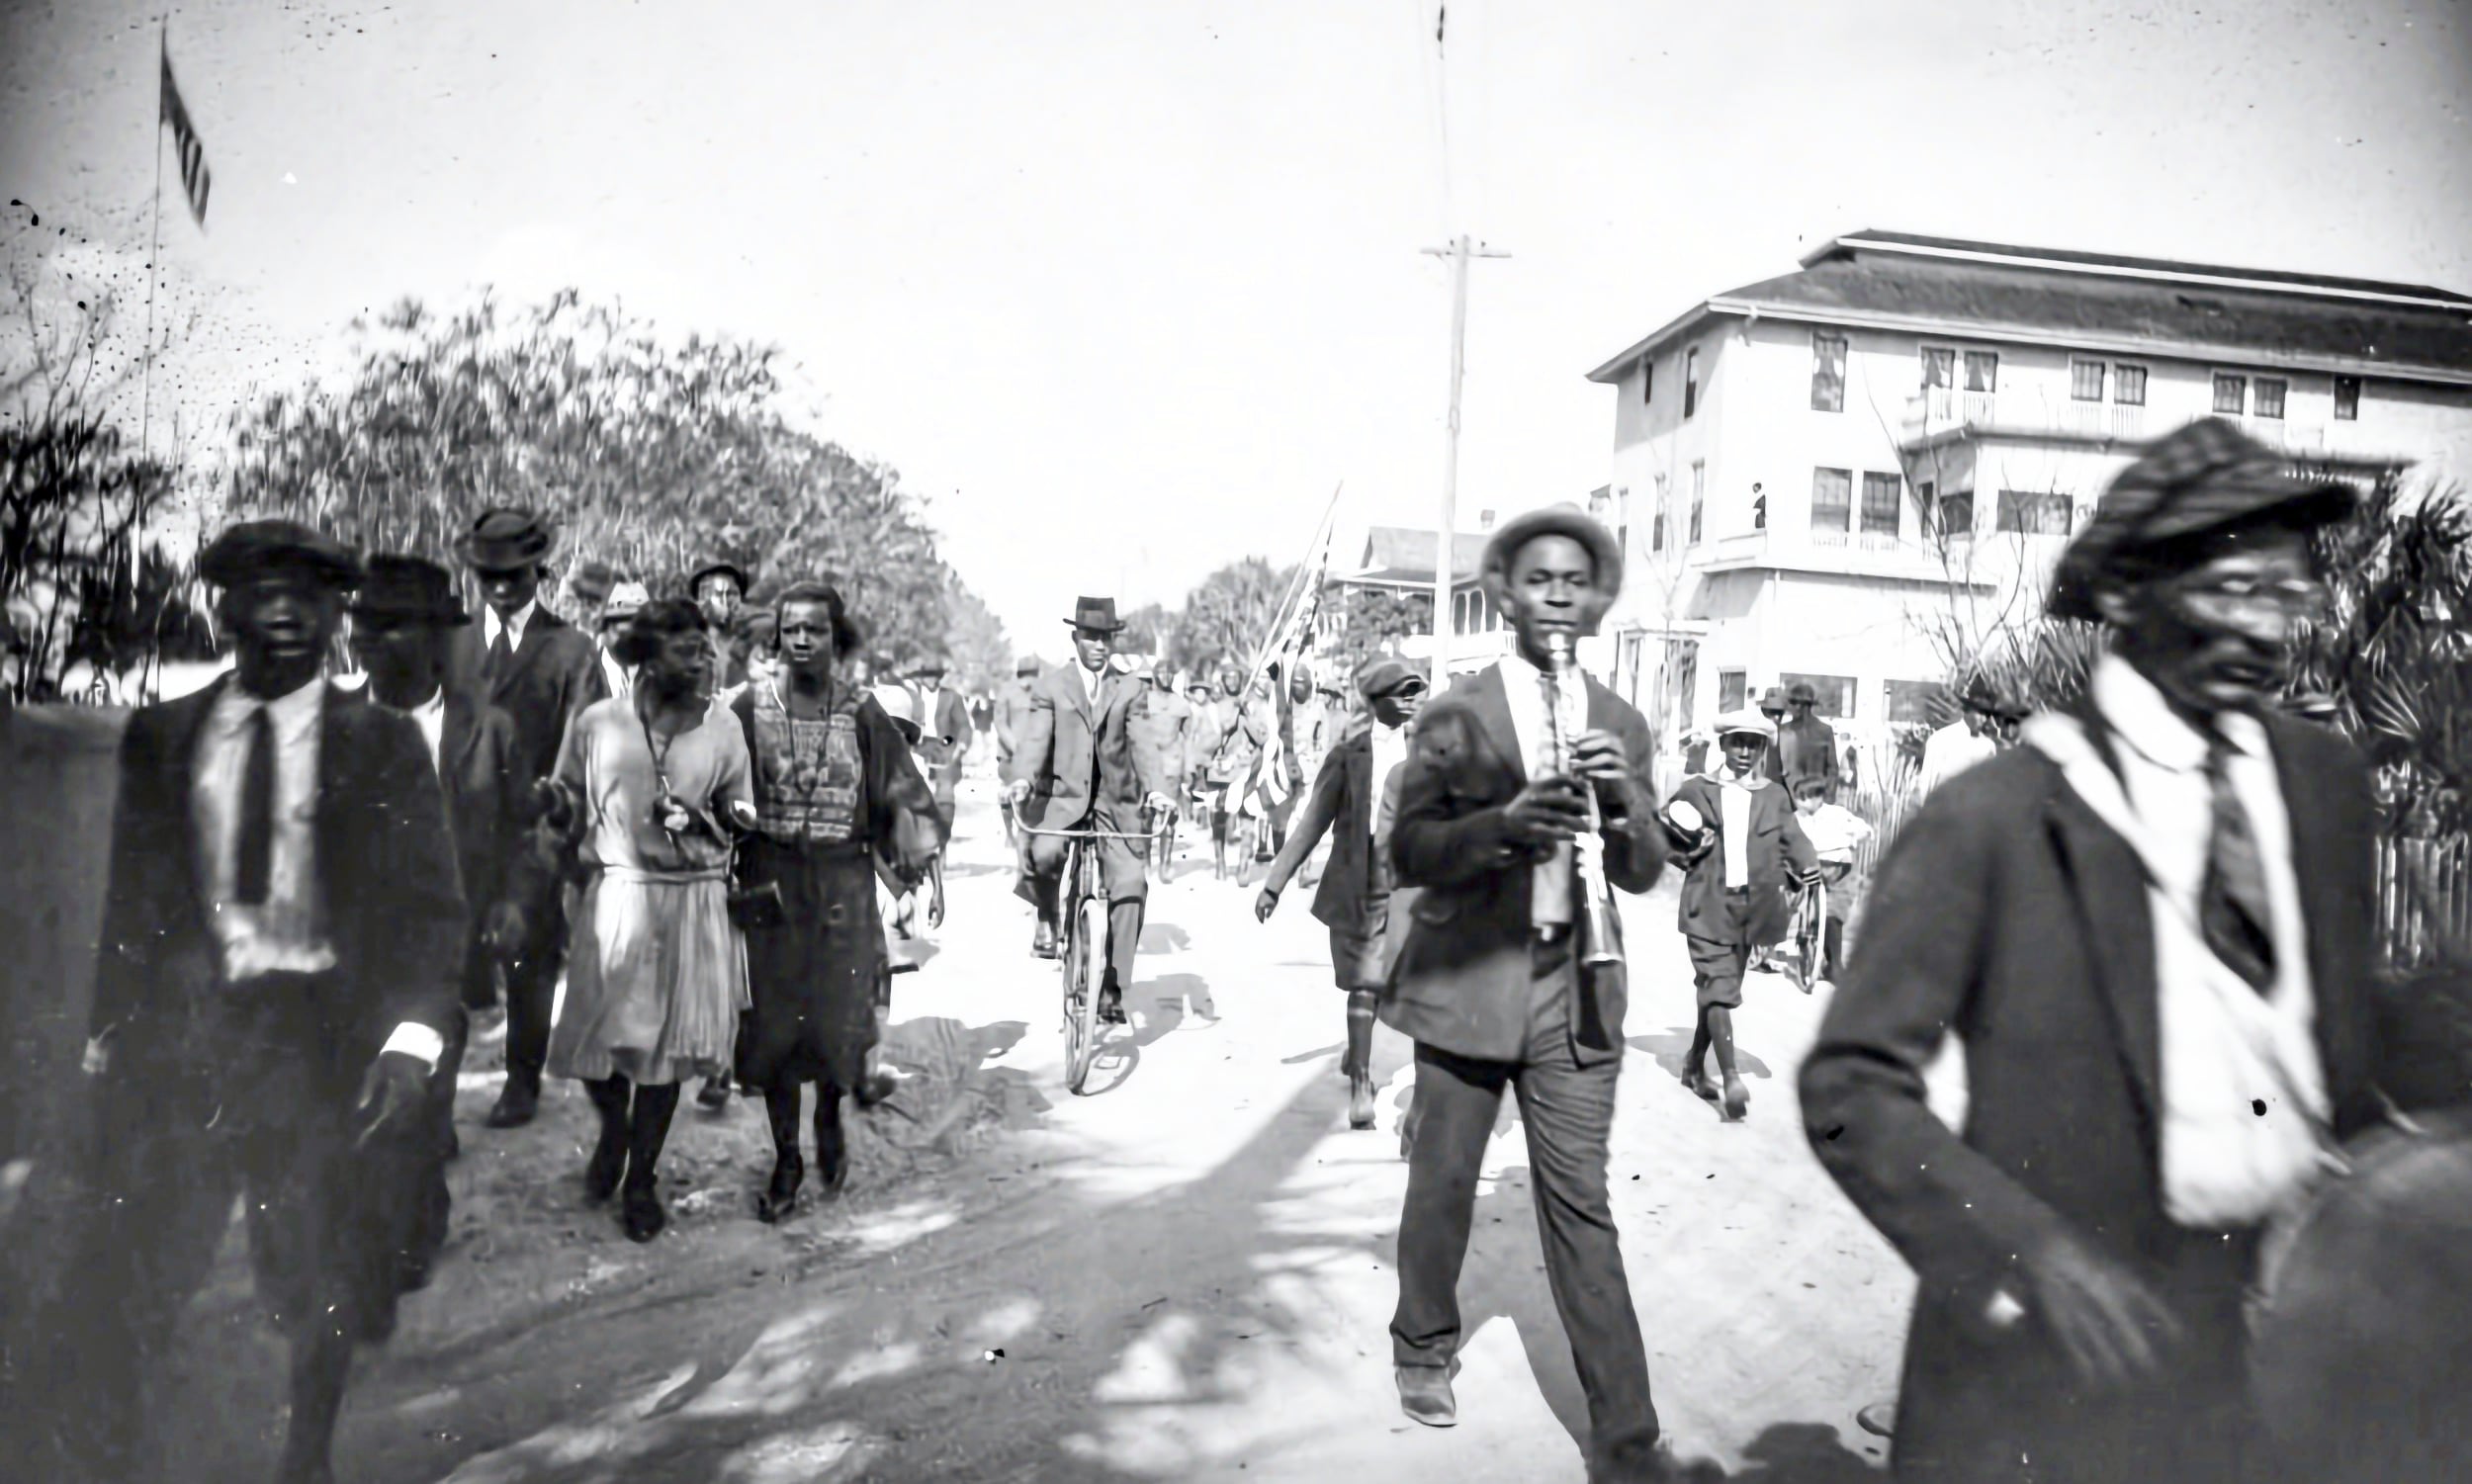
1551	897
499	656
257	814
2231	901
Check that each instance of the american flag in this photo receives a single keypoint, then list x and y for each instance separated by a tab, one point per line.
195	180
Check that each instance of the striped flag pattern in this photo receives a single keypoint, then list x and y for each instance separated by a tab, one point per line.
195	180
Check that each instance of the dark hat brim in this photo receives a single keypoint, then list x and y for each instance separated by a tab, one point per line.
1557	520
1119	627
259	548
737	575
444	618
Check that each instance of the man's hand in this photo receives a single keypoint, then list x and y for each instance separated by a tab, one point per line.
1157	803
1601	757
1016	790
1548	812
1264	904
391	1091
2110	1324
502	932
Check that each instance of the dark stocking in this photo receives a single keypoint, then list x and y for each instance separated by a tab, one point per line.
1360	1058
788	1171
322	1364
648	1129
1720	1033
1695	1060
609	1155
831	1149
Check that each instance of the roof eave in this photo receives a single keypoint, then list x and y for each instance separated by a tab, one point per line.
1612	371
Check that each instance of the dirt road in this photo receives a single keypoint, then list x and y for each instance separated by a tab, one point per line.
1185	1276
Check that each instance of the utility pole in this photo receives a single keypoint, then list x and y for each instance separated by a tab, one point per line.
1446	535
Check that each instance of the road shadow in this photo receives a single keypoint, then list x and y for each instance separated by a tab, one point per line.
1670	1047
1180	995
1164	937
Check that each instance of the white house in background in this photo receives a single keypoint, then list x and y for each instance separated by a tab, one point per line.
1838	475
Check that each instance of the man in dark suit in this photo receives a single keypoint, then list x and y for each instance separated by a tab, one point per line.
1489	982
1807	745
1355	794
1075	767
2150	926
542	671
273	993
403	619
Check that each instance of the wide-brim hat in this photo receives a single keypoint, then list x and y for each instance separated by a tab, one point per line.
1773	698
255	548
591	581
625	601
1746	721
1801	691
408	589
2207	475
737	573
1095	613
1557	520
1028	664
505	538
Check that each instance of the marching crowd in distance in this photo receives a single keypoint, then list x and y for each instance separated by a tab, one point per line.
2148	918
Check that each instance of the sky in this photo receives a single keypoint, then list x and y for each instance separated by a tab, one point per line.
1126	290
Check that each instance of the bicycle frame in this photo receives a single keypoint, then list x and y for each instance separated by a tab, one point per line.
1080	888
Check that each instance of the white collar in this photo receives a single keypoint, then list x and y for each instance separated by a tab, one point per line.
2139	716
288	710
513	627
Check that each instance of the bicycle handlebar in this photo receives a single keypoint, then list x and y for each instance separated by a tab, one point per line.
1166	818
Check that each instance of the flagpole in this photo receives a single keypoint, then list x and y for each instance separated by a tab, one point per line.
155	252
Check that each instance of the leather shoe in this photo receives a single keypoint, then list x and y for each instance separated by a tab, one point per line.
1737	1098
1879	1419
1043	941
715	1095
516	1105
1111	1006
1425	1394
1360	1102
1696	1079
781	1192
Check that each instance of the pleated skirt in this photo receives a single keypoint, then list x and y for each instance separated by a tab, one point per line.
656	981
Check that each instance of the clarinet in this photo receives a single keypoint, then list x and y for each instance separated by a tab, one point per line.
1602	940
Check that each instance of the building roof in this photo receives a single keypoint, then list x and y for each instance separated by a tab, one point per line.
1404	556
1991	291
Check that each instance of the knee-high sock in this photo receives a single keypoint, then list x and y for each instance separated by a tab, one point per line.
648	1129
1720	1035
781	1110
1359	1062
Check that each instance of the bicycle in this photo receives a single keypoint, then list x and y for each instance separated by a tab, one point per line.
1805	959
1081	905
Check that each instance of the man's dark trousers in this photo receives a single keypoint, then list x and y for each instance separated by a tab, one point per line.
1567	1111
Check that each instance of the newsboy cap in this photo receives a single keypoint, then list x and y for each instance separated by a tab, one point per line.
1384	674
1745	722
723	567
505	538
2208	476
408	588
1557	520
591	581
257	547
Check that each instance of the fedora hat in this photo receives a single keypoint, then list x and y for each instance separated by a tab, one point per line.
1095	613
254	548
505	538
408	589
1557	520
1773	698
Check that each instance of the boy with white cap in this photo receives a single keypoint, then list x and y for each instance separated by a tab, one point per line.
1735	832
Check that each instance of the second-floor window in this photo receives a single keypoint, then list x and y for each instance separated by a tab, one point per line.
2086	381
1939	366
1690	381
1827	373
2347	398
2231	394
2128	386
1882	494
1699	497
2271	392
1982	370
1648	381
1832	500
1656	529
2026	512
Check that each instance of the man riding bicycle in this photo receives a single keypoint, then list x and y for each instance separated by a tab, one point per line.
1075	767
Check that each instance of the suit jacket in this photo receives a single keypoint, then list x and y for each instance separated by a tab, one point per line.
555	673
1806	749
1163	730
1075	756
1356	883
1776	844
386	865
1462	976
947	743
2010	913
485	804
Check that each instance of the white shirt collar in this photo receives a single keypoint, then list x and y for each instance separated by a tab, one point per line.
291	710
2141	717
515	627
1093	681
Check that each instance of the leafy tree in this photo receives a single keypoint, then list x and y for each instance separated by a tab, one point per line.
1373	620
652	455
1228	615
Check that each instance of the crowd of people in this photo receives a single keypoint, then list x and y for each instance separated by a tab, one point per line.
2147	919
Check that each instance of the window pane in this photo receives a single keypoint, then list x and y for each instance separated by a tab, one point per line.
2024	512
1835	700
1647	380
2127	386
2230	394
2348	399
1832	500
1656	532
2270	397
2086	381
1939	366
1956	514
1690	381
1882	494
1827	373
1730	687
1982	370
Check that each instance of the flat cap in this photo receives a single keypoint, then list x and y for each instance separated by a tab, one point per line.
1557	520
505	538
1028	664
411	590
2203	476
255	548
626	600
1746	721
1383	675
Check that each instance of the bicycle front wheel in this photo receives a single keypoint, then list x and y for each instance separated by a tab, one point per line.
1090	931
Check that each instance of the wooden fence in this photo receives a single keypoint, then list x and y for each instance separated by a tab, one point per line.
2415	923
